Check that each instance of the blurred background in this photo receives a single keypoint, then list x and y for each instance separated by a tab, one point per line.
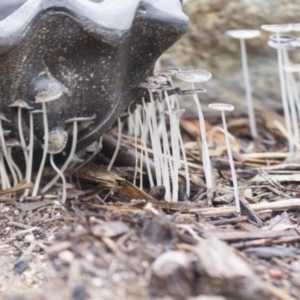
206	46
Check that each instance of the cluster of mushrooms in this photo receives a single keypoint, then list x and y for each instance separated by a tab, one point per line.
55	140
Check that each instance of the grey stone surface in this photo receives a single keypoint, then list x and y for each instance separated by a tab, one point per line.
93	54
207	46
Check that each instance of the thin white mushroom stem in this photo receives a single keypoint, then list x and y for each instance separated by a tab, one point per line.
68	160
30	146
63	179
205	152
283	94
22	140
291	96
4	177
174	142
144	149
4	149
16	168
222	107
156	141
11	166
231	162
251	114
134	127
117	145
45	151
186	168
155	146
168	165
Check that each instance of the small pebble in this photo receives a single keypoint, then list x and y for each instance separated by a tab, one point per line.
29	238
66	256
20	266
274	273
16	212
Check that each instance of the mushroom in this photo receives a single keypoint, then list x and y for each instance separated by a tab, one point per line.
20	104
222	107
51	93
73	121
278	29
242	35
200	76
5	180
57	142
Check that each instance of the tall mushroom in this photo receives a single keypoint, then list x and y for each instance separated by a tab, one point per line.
242	35
51	93
278	29
192	77
73	121
222	107
21	104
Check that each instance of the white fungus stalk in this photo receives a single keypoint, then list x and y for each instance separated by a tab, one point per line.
242	35
117	146
144	148
63	179
155	146
156	139
205	152
278	29
227	107
66	164
45	150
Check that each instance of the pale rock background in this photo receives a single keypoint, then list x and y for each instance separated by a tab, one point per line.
206	46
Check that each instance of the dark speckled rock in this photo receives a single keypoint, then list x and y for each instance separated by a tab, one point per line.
96	52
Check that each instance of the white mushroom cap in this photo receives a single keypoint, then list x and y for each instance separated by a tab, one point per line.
292	68
3	118
21	103
51	93
159	79
221	106
243	33
80	119
288	46
57	140
149	85
193	75
295	26
277	28
283	38
169	71
36	111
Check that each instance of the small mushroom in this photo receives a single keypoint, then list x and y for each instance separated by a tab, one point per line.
51	93
75	122
200	76
278	29
222	107
21	104
242	35
193	75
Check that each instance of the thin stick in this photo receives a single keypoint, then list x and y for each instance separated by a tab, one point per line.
117	146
